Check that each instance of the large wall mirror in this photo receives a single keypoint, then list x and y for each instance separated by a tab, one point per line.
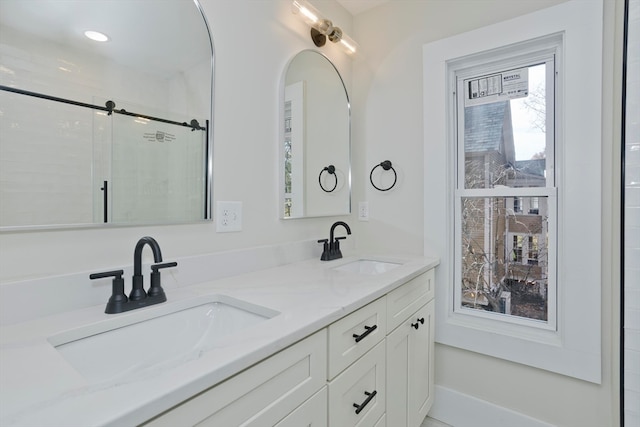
316	141
112	132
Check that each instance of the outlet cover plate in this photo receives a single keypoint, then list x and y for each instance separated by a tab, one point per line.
228	216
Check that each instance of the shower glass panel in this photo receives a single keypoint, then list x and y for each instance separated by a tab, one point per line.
62	163
158	171
630	357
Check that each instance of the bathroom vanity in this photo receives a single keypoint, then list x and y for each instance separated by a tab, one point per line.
340	343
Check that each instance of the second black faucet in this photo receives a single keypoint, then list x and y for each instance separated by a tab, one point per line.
332	245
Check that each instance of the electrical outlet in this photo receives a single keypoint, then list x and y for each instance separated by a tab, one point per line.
228	216
363	211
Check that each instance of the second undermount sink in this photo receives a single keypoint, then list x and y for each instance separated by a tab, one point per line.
176	333
367	266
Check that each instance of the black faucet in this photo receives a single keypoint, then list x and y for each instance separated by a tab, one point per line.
118	302
332	245
137	291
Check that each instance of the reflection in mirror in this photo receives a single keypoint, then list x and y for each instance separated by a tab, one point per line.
316	166
114	132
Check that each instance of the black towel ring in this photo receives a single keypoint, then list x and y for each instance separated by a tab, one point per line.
386	165
331	170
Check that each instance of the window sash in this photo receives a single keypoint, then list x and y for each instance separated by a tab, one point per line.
552	256
545	56
548	57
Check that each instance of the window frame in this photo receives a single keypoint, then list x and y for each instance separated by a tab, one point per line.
545	50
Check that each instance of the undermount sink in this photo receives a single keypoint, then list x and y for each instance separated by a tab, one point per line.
367	266
175	333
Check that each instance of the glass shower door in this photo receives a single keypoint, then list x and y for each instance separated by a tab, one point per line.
631	225
158	171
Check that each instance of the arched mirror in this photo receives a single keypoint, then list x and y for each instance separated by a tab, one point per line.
104	132
316	141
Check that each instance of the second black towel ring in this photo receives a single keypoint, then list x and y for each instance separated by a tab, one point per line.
331	170
386	165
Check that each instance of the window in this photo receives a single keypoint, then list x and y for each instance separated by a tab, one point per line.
517	204
504	172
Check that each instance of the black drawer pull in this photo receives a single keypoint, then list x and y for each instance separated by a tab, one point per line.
368	330
417	325
370	396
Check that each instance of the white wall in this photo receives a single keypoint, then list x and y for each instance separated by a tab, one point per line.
253	42
388	121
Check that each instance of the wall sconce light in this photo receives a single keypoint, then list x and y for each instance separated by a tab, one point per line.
322	28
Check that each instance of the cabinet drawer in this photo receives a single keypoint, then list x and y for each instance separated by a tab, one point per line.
382	422
408	298
355	334
312	413
363	385
261	395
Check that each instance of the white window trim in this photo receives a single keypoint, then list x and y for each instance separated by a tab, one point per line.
574	349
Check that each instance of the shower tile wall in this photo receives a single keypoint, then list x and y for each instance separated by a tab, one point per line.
45	162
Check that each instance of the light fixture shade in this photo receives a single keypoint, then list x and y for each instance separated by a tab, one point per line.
323	27
348	44
307	13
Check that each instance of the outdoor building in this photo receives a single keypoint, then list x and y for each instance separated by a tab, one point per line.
504	238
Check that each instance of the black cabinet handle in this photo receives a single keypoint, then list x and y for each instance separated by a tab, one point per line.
368	330
417	325
361	406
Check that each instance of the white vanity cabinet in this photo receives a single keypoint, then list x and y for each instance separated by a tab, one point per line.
302	343
371	368
264	394
391	365
409	352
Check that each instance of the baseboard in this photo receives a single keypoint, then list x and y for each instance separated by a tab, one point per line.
462	410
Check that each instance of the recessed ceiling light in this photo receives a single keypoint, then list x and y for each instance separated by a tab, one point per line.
96	36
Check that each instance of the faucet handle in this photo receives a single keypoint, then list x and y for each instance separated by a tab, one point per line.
115	274
155	290
325	249
156	267
118	298
337	253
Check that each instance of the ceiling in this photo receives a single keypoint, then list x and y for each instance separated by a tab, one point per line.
64	20
356	7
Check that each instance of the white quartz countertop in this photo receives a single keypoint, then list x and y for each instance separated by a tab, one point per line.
39	388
